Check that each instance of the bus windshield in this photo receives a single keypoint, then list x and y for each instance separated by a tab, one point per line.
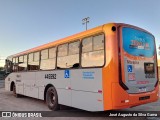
138	43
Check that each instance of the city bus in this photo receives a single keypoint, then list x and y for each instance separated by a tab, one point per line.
109	67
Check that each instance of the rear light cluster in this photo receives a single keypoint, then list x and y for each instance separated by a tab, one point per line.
124	101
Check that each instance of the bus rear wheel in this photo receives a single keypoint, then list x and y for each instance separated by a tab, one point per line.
52	99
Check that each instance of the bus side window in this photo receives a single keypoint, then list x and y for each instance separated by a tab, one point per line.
62	56
33	61
44	59
52	58
93	51
74	54
20	63
22	66
8	65
48	59
25	62
15	64
68	55
30	60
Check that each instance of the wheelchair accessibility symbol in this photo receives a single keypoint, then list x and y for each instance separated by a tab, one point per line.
66	74
129	67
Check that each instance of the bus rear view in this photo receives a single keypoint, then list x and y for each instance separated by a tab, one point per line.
112	66
138	74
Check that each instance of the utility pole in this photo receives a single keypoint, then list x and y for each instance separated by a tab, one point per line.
85	21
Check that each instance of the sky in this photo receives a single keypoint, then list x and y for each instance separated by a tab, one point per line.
25	24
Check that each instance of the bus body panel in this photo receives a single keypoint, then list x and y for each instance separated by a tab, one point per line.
138	81
120	98
29	81
87	90
92	89
138	59
110	73
125	100
76	89
89	101
9	80
7	85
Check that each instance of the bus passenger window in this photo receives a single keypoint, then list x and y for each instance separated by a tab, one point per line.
22	66
93	51
44	54
62	56
15	64
33	61
87	45
48	59
98	42
8	65
68	55
62	50
73	58
52	52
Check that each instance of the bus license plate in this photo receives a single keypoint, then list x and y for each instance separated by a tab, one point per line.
142	89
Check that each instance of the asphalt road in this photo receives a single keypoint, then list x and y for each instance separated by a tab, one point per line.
10	103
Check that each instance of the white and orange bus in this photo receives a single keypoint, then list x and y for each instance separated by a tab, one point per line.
113	66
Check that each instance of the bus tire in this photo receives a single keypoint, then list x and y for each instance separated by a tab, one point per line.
52	99
14	91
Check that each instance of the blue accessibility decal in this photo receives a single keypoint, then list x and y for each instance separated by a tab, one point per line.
129	68
66	74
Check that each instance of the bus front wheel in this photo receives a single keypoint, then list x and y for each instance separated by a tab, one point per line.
14	91
52	99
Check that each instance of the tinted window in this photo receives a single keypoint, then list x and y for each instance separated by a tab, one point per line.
138	43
